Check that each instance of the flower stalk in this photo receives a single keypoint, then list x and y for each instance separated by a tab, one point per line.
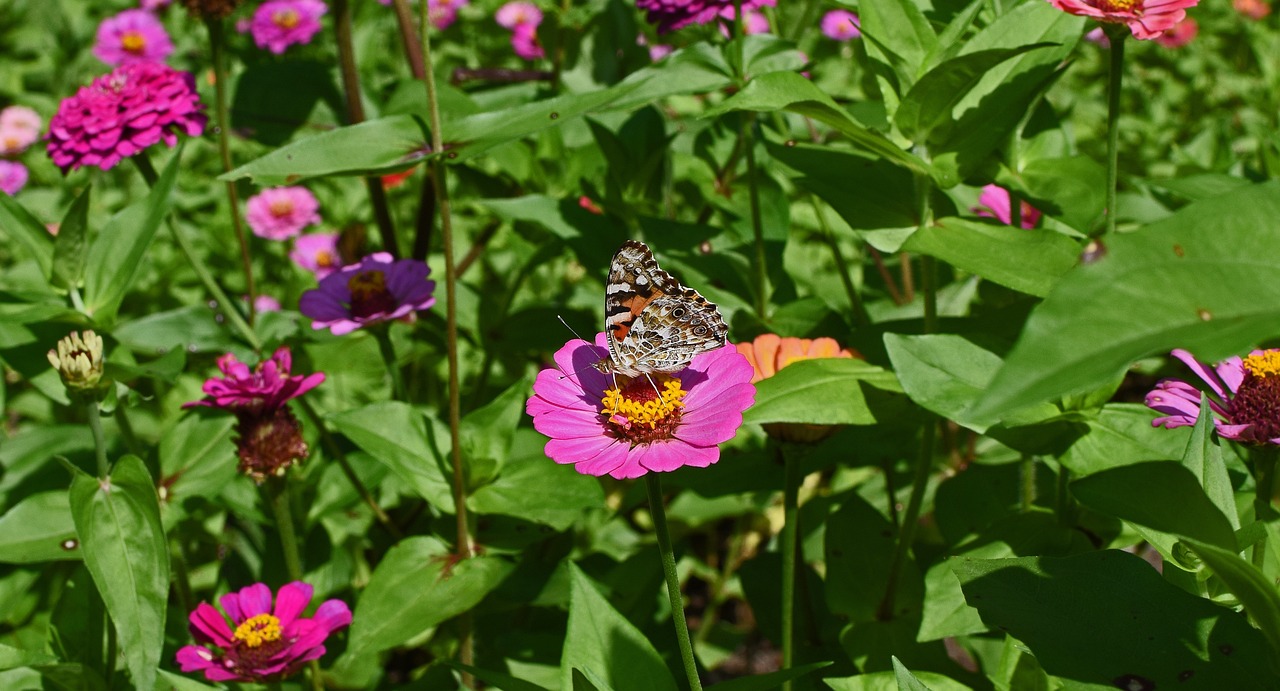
277	494
1264	470
790	527
382	334
910	517
1116	33
653	485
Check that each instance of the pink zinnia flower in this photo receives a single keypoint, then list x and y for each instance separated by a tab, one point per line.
753	22
376	289
317	253
19	129
279	213
278	24
1147	19
1180	35
524	41
841	25
1244	394
265	303
443	13
132	36
669	15
1253	9
607	425
514	14
122	113
13	177
994	203
268	643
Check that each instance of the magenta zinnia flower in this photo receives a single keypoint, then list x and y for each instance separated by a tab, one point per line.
378	288
669	15
122	113
840	25
994	203
1244	395
280	213
607	425
317	253
1147	19
1180	35
278	24
514	14
268	643
132	36
13	177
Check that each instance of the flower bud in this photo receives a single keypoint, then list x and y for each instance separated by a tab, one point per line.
78	360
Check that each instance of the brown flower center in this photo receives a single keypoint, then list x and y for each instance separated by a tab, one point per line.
281	207
285	19
644	409
269	442
1257	401
325	258
369	294
133	42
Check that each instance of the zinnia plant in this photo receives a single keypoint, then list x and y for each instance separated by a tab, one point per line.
1147	19
279	213
132	36
317	253
1244	395
376	289
278	24
669	15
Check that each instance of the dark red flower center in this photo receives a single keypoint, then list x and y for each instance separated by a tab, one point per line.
369	294
258	639
645	409
1257	401
269	442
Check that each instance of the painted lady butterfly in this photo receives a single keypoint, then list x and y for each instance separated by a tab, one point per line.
654	323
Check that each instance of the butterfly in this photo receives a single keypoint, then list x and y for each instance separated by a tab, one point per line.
654	323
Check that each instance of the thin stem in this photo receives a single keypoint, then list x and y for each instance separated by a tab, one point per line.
910	517
1117	39
790	527
1264	468
928	266
277	490
112	649
181	575
99	439
412	47
126	431
757	225
220	81
659	512
355	114
1063	506
889	284
740	34
335	452
382	334
1028	481
860	316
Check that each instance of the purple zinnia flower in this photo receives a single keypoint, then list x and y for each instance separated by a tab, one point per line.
625	428
994	203
122	113
19	129
317	253
13	177
840	25
279	213
376	289
1244	395
132	36
669	15
278	24
268	643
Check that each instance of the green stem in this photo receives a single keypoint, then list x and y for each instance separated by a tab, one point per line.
412	47
1063	505
740	35
335	451
757	224
1264	468
220	82
910	517
229	308
790	527
860	316
382	334
126	431
99	439
1117	37
181	575
112	649
277	490
1028	481
658	510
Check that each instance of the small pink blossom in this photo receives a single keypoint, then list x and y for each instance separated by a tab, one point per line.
267	643
317	253
132	36
1180	35
1243	395
524	41
753	22
267	387
1253	9
1147	19
841	25
279	213
994	203
278	24
19	129
266	303
13	177
1098	37
514	14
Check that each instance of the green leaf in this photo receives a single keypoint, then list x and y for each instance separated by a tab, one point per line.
22	227
115	254
498	680
69	246
869	194
1163	495
1030	261
418	585
396	435
767	682
124	546
888	681
77	625
906	680
12	658
1254	589
1072	189
197	460
789	91
603	641
859	545
1119	435
487	431
943	373
1194	280
532	487
38	529
194	328
1204	459
830	391
1104	616
900	27
272	100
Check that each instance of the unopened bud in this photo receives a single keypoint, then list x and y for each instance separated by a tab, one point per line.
78	360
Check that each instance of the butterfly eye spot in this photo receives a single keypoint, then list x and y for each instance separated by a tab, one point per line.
699	330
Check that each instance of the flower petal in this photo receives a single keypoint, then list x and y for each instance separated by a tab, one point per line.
605	462
291	600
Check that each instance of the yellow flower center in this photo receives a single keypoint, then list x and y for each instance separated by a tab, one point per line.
281	207
133	42
1263	365
255	631
285	19
634	409
1119	5
325	258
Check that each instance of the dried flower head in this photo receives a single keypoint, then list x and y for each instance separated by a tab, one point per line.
210	9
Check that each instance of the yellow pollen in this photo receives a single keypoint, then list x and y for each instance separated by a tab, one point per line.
254	631
133	42
325	258
1119	5
281	207
649	412
1266	364
285	19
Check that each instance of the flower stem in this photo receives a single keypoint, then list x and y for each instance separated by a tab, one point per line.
1264	469
757	225
335	451
790	526
217	43
860	316
656	508
412	48
910	517
1028	481
1117	36
277	491
382	334
99	439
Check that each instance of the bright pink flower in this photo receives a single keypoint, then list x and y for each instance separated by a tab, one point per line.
1244	394
841	25
524	41
19	129
994	203
122	113
376	289
602	425
317	253
268	643
1180	35
1097	36
754	22
1253	9
279	213
669	15
13	177
1147	19
266	303
514	14
443	13
266	387
132	36
278	24
659	51
154	5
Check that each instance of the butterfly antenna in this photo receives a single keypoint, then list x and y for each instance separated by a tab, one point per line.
570	328
580	338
